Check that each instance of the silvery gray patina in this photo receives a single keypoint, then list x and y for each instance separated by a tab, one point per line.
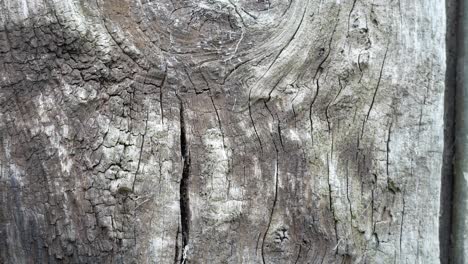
221	131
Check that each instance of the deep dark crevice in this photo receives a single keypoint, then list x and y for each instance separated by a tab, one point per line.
446	197
185	214
331	203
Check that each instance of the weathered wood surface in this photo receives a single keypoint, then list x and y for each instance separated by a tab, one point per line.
221	131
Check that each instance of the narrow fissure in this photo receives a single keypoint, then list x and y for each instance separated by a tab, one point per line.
163	82
447	176
331	207
298	254
185	214
253	124
387	154
347	196
351	12
310	111
375	91
275	198
401	224
141	151
318	72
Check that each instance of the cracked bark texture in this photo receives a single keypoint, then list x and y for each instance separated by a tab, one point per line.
221	131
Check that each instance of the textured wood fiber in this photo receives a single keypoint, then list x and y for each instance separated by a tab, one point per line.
222	131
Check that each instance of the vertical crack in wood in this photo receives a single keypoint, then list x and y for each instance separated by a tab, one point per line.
350	13
185	214
387	155
401	224
375	91
446	224
330	203
327	115
161	95
218	118
318	72
253	122
298	254
275	199
141	151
